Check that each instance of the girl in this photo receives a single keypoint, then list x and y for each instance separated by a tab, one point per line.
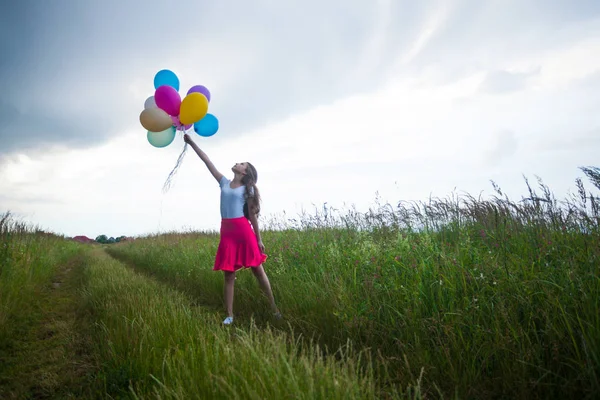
240	246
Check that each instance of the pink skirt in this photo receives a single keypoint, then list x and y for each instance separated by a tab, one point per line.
238	247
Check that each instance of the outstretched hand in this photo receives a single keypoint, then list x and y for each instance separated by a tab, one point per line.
187	139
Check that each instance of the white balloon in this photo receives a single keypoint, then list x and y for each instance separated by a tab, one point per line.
150	103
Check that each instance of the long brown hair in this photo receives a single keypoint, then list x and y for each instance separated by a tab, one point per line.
252	195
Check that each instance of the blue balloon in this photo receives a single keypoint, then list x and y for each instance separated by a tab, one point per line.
166	77
207	126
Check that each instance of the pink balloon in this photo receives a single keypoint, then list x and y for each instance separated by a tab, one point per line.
168	99
175	121
178	125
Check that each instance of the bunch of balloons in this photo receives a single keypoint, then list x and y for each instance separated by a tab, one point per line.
165	113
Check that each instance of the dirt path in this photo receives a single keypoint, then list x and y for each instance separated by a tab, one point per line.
52	358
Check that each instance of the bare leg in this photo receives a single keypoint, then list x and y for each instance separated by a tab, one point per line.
263	281
229	283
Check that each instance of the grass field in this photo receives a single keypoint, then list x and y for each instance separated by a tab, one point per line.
450	298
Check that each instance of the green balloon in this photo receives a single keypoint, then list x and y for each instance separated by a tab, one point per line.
162	139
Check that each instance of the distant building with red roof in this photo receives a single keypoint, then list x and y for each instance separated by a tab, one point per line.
83	239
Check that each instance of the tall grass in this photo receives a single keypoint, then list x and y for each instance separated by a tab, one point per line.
153	344
488	297
28	260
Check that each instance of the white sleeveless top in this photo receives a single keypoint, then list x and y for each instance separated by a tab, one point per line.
232	200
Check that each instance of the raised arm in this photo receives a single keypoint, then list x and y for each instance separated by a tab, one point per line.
203	157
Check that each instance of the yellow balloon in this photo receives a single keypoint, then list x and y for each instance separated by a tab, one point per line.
193	108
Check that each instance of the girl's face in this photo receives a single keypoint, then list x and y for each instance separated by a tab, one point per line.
240	168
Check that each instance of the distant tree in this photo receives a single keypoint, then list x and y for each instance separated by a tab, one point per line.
102	239
120	238
111	240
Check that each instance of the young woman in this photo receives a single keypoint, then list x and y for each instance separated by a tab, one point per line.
240	245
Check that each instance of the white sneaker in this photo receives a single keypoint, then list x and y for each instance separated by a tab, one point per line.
228	321
277	315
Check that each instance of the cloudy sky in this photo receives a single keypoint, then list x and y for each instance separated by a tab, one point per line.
332	101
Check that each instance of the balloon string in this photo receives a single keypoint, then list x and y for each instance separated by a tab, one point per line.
169	180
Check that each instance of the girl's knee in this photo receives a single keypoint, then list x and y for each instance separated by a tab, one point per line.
258	271
229	277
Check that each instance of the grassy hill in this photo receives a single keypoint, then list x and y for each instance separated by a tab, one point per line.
456	298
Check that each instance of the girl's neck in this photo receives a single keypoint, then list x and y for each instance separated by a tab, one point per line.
237	179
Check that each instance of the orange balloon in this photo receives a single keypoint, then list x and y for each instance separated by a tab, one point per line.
155	119
193	108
